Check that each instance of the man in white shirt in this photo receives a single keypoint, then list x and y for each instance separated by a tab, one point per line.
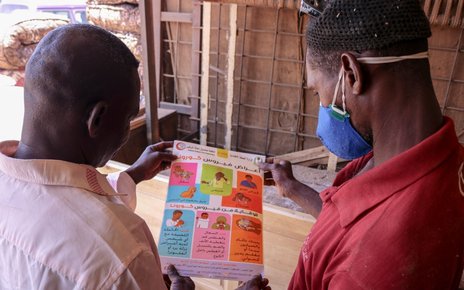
63	225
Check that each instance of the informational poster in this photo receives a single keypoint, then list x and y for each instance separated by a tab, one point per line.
212	225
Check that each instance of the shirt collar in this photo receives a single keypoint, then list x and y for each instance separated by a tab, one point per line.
355	195
52	172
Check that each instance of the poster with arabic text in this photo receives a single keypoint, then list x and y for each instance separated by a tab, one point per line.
213	225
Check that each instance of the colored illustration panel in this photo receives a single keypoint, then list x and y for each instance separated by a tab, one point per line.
216	180
243	199
183	174
186	194
247	240
176	233
249	182
212	236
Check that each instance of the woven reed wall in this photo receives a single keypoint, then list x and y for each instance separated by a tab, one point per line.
440	12
445	13
273	112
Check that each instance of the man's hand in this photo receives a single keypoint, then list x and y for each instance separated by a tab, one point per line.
179	282
278	173
256	283
153	159
282	177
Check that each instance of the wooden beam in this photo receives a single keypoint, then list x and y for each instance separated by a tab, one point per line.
173	55
196	47
181	109
305	155
205	48
314	162
149	70
176	17
230	73
157	39
332	163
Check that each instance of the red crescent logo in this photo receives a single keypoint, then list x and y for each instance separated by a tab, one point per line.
180	146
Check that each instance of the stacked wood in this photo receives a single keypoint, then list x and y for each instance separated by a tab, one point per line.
19	38
121	17
117	18
132	41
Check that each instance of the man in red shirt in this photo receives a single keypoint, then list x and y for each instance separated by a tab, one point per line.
394	217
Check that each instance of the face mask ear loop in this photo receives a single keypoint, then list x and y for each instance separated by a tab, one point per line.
337	87
343	92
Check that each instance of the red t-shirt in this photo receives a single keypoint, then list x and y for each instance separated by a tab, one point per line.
399	225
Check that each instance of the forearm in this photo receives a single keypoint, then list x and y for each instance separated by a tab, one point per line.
304	196
136	175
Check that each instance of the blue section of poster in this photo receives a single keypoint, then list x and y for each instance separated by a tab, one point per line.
176	233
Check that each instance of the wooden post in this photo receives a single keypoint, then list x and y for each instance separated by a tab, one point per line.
157	40
332	164
205	49
230	73
149	70
196	69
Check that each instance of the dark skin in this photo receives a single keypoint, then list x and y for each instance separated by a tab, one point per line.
392	105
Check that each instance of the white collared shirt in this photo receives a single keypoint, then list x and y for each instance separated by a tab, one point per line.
62	226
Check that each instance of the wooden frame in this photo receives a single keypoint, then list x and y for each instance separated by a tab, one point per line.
148	35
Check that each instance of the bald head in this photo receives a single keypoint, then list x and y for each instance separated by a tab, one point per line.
76	64
81	90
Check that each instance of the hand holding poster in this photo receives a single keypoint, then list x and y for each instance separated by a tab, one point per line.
212	225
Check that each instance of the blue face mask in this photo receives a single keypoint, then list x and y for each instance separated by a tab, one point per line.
334	127
339	136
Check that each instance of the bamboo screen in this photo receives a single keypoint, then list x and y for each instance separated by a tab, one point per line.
273	112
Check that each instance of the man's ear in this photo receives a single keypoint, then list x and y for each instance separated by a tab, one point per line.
353	72
95	117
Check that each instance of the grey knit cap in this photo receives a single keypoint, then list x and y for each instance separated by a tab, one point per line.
359	25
